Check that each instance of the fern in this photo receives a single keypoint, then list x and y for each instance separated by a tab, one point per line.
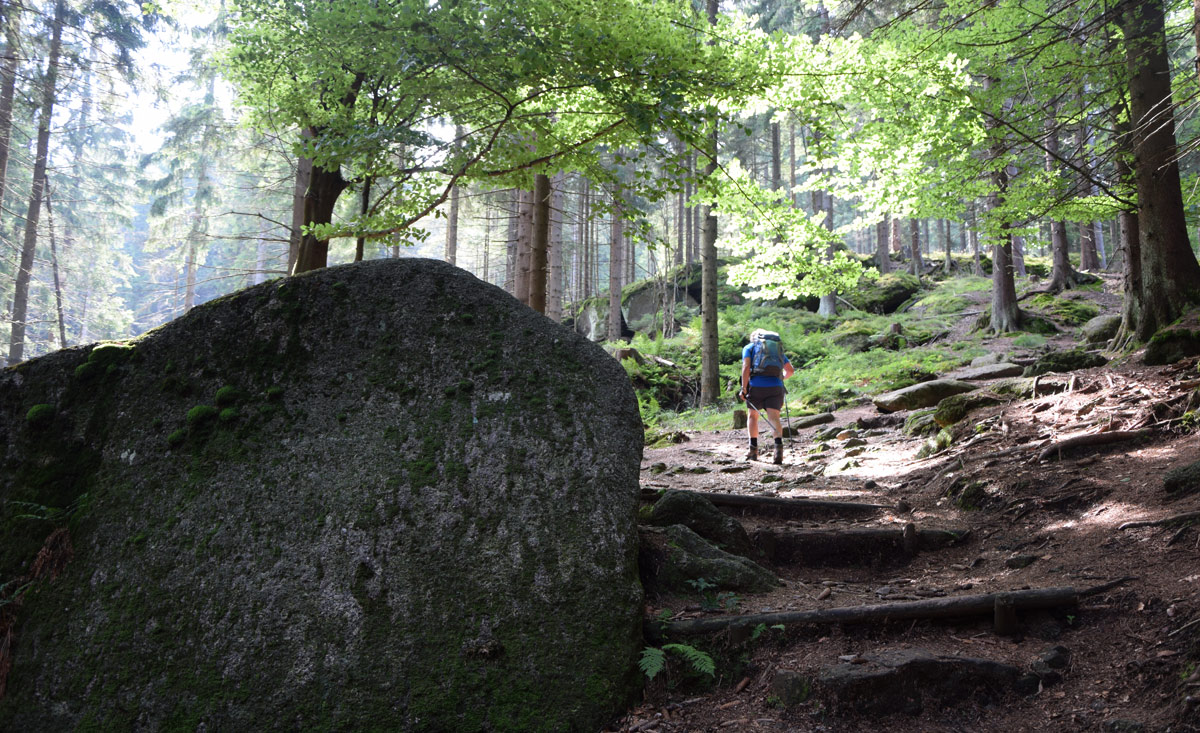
652	661
700	661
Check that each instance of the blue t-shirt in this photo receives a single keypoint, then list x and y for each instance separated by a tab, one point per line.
762	380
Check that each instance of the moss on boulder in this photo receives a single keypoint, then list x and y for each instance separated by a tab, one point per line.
327	560
1064	361
885	294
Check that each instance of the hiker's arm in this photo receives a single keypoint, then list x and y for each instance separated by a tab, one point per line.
788	369
745	375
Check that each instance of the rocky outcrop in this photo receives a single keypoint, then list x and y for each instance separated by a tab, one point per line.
700	515
345	500
924	394
1064	361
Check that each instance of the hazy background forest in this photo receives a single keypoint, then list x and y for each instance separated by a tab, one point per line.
163	188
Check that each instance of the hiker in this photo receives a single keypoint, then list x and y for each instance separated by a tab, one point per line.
764	367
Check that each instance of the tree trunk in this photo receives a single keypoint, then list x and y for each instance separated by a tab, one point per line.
948	265
776	159
916	266
1169	268
615	258
16	345
710	380
1005	313
555	288
881	247
524	245
304	169
539	242
1018	253
364	206
452	227
8	84
1062	274
324	187
58	291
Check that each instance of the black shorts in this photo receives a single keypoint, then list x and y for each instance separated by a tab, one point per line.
766	398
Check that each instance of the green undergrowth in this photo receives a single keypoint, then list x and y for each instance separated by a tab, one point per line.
838	360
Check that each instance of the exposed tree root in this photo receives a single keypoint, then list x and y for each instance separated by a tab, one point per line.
1093	439
983	604
1165	521
784	508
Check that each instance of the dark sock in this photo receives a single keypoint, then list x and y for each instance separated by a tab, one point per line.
779	441
754	442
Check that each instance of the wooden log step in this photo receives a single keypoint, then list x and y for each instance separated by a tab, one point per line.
813	548
770	506
980	604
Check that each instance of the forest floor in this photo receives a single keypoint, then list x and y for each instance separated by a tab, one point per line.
1035	523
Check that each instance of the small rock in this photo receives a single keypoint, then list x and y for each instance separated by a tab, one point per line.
1121	725
1020	561
884	590
825	593
790	687
658	467
854	443
698	469
847	434
1056	657
734	469
870	484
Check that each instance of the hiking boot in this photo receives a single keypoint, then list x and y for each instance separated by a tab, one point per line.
779	454
752	455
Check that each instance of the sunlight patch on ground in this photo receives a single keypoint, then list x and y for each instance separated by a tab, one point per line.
1103	516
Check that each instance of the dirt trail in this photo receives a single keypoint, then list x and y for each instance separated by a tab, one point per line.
1034	524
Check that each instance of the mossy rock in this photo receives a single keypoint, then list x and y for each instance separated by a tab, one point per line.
297	570
1100	329
1182	481
40	416
956	407
925	394
884	294
1174	343
921	423
938	443
1071	311
1064	361
702	517
672	558
110	354
1023	387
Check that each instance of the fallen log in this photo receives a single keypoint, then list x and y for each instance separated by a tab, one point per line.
982	604
1092	439
812	548
783	508
1175	519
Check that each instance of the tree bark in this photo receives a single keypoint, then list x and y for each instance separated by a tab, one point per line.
58	290
452	227
916	266
16	345
710	380
524	245
364	206
304	167
615	258
881	246
324	187
1169	268
539	242
8	83
555	288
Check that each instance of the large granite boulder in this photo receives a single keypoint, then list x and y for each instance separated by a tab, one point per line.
381	496
923	394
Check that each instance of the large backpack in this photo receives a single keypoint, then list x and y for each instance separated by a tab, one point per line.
767	359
